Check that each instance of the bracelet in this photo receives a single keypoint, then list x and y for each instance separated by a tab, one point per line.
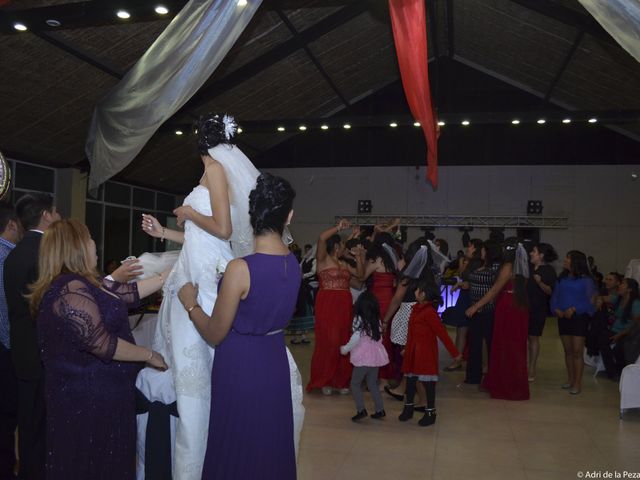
150	356
163	234
190	309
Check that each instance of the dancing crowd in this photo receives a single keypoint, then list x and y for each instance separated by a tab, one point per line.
377	320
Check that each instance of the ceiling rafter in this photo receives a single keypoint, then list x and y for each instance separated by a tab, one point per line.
313	58
273	56
565	64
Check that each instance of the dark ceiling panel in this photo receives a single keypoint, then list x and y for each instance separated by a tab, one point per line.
306	16
512	40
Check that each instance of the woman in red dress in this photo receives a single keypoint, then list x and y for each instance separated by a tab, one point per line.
383	269
507	376
330	369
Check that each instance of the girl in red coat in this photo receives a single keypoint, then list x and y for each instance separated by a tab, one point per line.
421	353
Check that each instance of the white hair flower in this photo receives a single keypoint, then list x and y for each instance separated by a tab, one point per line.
230	126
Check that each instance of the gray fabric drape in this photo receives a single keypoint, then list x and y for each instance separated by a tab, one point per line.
621	18
178	63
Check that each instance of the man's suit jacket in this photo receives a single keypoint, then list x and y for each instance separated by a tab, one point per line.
20	270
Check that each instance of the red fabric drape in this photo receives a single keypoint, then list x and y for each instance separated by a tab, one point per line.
409	23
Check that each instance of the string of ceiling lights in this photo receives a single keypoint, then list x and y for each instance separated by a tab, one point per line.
121	13
368	122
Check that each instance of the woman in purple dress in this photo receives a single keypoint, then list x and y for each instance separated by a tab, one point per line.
88	354
251	424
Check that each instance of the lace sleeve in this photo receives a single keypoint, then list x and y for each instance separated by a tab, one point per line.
77	308
127	292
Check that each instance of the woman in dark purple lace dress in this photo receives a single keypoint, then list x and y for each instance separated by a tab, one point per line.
251	425
90	358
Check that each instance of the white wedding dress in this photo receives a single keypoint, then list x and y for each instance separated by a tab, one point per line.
189	357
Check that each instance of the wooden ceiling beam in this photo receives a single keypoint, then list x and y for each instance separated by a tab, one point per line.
565	64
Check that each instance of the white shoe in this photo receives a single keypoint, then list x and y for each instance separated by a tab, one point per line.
327	390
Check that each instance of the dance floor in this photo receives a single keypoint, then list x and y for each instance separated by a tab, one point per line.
552	436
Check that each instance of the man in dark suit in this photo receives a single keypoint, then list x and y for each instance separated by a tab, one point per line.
10	235
36	212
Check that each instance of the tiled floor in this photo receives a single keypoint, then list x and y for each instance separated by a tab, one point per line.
552	436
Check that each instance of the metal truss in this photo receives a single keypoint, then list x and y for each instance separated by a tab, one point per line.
457	221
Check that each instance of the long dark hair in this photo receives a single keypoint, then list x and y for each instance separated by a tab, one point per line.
270	203
431	291
579	266
376	250
510	247
632	286
493	252
548	252
368	310
475	262
332	242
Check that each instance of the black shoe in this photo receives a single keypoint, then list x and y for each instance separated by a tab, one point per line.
360	415
379	415
421	408
429	418
407	413
387	389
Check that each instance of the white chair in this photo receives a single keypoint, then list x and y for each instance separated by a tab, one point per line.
595	362
630	387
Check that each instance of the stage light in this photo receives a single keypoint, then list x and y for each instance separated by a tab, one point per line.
161	10
20	27
123	14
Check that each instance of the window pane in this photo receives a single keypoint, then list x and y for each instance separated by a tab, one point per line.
116	193
117	225
94	221
166	203
144	198
140	241
31	177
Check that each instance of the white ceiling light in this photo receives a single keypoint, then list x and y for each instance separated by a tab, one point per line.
566	120
393	124
466	123
440	123
280	129
20	27
515	121
123	14
242	3
52	22
179	132
417	124
324	127
593	120
302	128
239	130
541	121
162	10
346	126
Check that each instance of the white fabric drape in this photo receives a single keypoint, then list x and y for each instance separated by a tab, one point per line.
178	63
621	18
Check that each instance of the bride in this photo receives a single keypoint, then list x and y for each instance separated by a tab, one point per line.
216	223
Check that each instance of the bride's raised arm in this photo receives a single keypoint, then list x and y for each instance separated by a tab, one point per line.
151	226
219	224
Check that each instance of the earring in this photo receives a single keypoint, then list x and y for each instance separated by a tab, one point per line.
287	238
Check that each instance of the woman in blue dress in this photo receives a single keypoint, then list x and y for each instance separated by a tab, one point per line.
251	434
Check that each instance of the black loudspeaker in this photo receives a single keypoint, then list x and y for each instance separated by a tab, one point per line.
534	207
528	237
364	206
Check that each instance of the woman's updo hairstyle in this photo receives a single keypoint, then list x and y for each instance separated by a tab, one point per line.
214	129
270	203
